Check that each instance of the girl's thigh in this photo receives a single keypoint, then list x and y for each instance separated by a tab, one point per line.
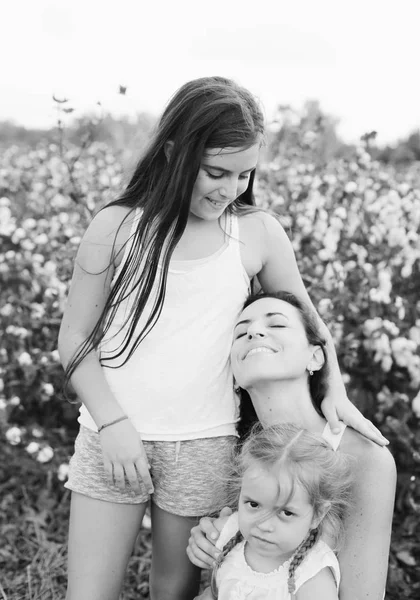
172	576
101	540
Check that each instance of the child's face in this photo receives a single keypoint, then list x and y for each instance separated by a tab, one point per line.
223	176
273	531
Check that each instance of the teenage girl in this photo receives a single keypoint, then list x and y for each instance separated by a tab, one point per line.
291	488
160	277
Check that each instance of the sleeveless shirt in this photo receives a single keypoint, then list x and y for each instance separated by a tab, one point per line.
178	384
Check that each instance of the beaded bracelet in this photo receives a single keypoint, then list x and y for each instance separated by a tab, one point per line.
112	423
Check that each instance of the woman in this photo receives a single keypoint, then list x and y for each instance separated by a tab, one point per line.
279	358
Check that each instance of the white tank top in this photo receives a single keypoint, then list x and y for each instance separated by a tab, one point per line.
178	384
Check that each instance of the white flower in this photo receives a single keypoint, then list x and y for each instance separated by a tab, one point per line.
27	245
416	405
371	325
391	327
3	404
48	389
14	436
63	472
350	187
24	359
18	235
7	310
36	432
29	223
37	310
32	448
407	270
14	401
41	239
45	455
55	355
386	363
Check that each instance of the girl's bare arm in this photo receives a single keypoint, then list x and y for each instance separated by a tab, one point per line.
89	289
280	272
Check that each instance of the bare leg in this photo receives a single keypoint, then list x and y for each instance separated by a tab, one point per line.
101	540
172	576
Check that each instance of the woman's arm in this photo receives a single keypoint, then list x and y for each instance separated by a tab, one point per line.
280	272
89	290
320	587
364	556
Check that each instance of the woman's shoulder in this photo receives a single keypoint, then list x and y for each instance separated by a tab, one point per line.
370	457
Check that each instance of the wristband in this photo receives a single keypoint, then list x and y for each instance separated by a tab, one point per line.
112	423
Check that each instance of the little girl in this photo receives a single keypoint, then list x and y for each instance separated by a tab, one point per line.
160	277
293	492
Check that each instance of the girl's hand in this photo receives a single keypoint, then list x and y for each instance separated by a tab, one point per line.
201	548
340	408
124	457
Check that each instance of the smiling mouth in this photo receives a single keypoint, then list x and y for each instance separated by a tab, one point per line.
217	204
259	350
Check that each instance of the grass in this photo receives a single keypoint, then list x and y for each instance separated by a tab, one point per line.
34	514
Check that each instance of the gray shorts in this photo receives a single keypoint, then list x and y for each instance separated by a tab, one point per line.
183	473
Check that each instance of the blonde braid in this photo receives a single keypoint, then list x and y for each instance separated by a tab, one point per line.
237	538
298	557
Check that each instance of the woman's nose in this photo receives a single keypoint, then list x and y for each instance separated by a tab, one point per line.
255	330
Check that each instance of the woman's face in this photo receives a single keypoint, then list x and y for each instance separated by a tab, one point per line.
223	176
269	344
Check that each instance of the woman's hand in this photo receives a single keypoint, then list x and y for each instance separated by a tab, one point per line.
337	407
206	595
124	457
201	550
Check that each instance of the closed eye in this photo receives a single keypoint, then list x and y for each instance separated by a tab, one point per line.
213	176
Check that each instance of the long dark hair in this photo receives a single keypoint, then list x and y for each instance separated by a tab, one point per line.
318	382
210	112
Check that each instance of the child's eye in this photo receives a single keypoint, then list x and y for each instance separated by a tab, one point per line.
287	513
252	504
213	176
282	326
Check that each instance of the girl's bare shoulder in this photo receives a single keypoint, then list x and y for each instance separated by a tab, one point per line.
109	229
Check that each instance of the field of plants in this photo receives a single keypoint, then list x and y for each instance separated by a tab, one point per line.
354	224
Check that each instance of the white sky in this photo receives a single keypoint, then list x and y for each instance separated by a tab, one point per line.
360	58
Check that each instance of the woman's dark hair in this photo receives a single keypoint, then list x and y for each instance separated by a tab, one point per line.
317	382
211	112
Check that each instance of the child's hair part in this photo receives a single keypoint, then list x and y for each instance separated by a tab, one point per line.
309	461
318	382
210	112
